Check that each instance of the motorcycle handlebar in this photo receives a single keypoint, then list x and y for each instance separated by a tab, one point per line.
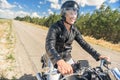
104	63
83	64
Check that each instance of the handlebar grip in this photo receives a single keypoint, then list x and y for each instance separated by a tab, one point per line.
105	61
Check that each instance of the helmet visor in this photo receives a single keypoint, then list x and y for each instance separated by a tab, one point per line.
72	11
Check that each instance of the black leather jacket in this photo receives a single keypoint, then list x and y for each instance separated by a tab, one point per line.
59	40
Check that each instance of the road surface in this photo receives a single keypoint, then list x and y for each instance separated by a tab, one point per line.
30	46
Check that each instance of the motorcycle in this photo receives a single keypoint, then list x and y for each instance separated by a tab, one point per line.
82	71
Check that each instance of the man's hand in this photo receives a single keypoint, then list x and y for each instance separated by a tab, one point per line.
64	67
105	57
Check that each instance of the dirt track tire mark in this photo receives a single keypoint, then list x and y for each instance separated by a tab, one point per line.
24	57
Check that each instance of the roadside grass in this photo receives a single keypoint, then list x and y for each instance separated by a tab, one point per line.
7	44
10	57
103	43
3	76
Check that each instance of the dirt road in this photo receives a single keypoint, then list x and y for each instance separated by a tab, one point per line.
30	47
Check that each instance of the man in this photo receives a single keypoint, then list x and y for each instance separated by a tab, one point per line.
60	37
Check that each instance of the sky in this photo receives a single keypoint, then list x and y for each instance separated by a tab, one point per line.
40	8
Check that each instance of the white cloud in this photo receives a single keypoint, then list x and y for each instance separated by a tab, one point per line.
53	1
12	14
44	13
6	14
96	3
113	1
1	11
50	11
4	4
21	14
82	3
63	1
20	6
54	4
35	14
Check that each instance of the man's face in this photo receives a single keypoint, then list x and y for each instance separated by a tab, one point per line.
71	15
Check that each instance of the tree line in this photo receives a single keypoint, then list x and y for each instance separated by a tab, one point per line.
101	24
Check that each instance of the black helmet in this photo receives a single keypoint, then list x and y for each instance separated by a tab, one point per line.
69	4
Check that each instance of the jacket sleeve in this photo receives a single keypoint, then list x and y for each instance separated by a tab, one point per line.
50	45
86	46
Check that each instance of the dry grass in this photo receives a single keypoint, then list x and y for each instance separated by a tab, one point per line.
103	43
7	44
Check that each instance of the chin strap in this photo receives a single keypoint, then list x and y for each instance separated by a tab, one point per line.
64	19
